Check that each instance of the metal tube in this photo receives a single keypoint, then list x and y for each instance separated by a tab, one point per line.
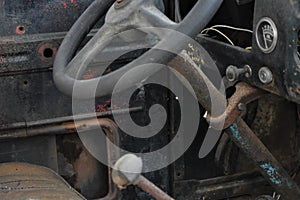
58	120
57	126
152	189
266	163
64	128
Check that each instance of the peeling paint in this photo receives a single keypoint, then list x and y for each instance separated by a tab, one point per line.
271	171
235	131
191	46
64	4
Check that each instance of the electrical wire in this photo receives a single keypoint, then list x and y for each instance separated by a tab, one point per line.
205	31
214	28
233	28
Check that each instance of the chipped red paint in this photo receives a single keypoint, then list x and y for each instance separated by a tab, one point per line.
101	108
87	76
64	4
90	74
20	30
45	46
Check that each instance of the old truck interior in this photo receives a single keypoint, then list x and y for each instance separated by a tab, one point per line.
149	99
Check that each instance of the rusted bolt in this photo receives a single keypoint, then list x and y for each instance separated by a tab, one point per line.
242	107
233	73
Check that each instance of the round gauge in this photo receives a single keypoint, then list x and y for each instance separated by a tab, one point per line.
266	35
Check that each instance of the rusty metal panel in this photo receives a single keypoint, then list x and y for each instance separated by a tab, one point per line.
20	181
39	16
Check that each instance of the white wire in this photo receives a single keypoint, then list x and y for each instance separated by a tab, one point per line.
233	28
213	28
216	30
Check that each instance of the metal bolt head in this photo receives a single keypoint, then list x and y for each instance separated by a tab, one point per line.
242	107
248	70
233	73
230	73
265	75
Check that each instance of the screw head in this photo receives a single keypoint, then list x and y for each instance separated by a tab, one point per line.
265	75
242	107
248	70
230	73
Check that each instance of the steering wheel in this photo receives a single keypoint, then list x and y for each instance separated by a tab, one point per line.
122	15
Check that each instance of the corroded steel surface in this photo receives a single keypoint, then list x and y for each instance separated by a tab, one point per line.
264	160
244	94
20	181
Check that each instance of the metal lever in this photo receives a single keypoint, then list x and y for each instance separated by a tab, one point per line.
266	163
127	171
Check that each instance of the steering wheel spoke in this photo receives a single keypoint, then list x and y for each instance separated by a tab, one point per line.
123	15
83	58
139	14
156	18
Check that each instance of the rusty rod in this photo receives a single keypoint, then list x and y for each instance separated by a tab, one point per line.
152	189
57	120
57	126
266	163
